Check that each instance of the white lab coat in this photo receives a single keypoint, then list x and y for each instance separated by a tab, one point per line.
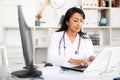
86	49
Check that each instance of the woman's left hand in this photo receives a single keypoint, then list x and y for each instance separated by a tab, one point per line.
91	58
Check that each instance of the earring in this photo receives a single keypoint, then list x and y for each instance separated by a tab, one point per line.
66	23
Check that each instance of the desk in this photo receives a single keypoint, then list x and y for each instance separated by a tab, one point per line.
56	73
105	67
5	72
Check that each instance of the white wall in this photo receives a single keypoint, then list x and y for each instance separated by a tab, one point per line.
51	15
9	16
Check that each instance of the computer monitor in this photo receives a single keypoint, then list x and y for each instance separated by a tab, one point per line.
28	49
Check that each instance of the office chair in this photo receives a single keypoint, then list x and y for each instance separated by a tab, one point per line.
3	53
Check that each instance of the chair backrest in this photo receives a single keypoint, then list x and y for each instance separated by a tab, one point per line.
3	56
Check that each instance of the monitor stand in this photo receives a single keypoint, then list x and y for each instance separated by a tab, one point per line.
27	74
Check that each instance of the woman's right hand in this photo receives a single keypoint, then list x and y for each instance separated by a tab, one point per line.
83	63
80	62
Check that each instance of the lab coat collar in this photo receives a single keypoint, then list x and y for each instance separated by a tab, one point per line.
68	40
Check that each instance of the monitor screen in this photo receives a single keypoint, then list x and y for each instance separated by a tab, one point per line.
27	47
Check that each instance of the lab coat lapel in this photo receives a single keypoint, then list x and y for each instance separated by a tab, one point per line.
68	42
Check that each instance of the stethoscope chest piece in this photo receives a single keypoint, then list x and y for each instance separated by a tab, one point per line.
77	52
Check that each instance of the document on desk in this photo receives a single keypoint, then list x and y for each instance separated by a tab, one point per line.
69	66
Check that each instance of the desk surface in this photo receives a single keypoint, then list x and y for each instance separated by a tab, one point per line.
56	73
5	72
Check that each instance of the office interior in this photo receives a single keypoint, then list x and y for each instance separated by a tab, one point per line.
44	17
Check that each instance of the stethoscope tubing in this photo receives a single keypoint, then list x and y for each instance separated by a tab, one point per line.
63	39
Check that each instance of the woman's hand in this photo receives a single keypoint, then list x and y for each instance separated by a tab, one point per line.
91	58
78	62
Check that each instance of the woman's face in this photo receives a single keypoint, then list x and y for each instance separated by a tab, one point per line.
75	22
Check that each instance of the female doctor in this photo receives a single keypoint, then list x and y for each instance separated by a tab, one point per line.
69	44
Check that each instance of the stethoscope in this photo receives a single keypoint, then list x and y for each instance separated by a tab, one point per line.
64	45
